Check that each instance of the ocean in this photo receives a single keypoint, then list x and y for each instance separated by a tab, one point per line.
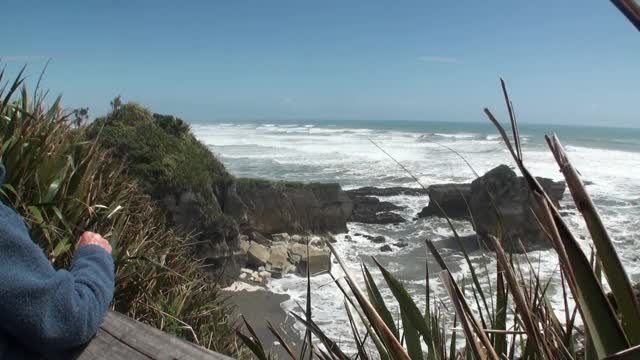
344	152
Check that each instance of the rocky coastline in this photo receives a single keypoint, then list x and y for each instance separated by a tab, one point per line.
284	227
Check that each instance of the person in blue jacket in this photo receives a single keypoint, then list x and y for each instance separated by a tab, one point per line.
46	312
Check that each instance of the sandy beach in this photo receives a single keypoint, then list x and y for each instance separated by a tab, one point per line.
259	307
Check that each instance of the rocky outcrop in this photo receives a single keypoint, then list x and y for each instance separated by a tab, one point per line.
502	190
386	248
278	207
452	198
232	205
370	210
499	191
390	191
216	234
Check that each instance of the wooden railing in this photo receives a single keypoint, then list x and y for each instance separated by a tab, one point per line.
121	337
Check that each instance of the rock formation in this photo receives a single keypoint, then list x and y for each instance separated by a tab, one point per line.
278	258
452	198
370	210
295	208
499	191
512	202
216	235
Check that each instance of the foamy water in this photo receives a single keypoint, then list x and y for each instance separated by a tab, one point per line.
346	155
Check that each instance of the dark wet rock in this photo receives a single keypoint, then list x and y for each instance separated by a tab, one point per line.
390	191
370	210
232	205
386	248
502	190
377	239
469	242
217	237
455	199
294	208
452	198
498	191
386	218
373	203
400	244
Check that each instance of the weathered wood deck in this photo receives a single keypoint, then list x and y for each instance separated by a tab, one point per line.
121	337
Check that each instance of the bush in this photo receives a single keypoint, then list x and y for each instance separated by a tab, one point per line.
160	151
62	185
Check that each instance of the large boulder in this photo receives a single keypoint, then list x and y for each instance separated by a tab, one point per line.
317	260
452	198
501	193
258	255
278	263
294	208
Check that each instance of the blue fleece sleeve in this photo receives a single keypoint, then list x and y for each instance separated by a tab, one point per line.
45	309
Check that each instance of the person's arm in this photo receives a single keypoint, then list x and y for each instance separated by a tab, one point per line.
45	309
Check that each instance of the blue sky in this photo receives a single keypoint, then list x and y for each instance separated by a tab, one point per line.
566	62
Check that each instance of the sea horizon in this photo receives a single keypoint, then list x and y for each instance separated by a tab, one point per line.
343	153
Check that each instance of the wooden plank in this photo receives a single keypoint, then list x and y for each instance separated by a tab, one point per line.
121	337
105	346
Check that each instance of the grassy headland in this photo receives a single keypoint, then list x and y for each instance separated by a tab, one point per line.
63	183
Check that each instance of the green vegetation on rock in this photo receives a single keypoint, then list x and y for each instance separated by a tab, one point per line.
161	151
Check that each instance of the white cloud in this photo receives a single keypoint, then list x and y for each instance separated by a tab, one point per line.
440	59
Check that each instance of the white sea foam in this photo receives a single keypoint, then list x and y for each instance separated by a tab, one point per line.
348	156
242	286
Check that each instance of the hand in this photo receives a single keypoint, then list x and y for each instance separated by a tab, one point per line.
89	238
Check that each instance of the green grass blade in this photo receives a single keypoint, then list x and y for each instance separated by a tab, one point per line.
371	332
378	302
411	337
611	263
500	322
523	307
362	352
281	340
396	351
407	305
452	344
607	335
469	329
328	343
599	317
629	354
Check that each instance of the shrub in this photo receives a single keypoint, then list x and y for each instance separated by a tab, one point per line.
160	151
62	185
